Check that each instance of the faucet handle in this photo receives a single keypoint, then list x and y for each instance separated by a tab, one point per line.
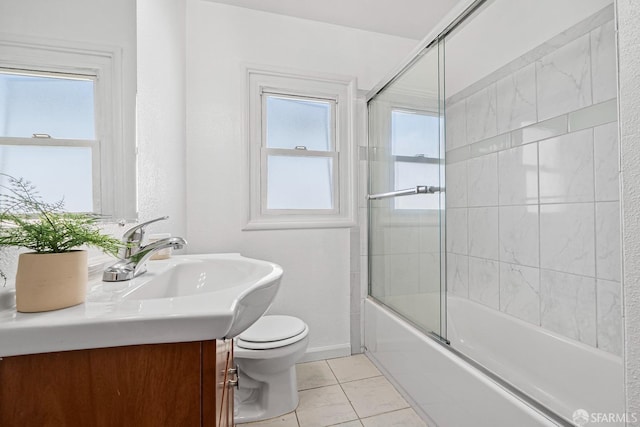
133	236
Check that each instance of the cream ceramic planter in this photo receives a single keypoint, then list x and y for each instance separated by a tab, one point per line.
47	282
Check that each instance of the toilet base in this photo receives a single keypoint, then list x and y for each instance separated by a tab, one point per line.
267	385
252	397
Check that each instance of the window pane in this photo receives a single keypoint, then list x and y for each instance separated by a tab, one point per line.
57	172
295	122
412	174
297	182
60	107
414	133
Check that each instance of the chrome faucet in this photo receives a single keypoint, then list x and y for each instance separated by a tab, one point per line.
133	256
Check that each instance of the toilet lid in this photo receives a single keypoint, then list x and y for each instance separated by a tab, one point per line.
273	328
271	345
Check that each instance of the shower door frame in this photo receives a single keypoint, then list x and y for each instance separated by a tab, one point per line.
436	110
436	37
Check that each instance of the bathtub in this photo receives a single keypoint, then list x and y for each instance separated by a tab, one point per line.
561	374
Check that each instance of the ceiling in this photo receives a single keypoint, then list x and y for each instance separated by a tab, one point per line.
405	18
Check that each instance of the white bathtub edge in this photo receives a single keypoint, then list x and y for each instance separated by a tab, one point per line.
438	399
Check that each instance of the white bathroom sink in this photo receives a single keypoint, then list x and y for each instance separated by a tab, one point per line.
184	298
220	280
202	274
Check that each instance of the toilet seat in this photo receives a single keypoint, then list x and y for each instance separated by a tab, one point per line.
272	332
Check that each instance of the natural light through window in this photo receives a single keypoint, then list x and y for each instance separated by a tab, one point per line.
299	147
62	107
48	134
415	147
414	134
299	182
295	122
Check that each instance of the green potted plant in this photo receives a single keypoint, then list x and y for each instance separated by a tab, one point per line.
54	274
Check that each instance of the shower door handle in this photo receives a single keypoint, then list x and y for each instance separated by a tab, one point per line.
420	189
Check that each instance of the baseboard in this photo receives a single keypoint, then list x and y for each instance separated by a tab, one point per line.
328	352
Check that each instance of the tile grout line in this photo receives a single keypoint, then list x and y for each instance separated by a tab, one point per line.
361	379
295	412
390	412
345	394
539	208
317	387
596	272
326	363
350	403
382	413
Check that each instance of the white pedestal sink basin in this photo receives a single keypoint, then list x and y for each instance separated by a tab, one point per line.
200	274
218	280
184	298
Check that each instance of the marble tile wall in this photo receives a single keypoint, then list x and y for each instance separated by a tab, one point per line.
404	254
533	207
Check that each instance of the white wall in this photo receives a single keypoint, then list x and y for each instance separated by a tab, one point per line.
161	114
628	12
102	22
220	39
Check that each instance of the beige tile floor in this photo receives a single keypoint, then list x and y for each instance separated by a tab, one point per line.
345	392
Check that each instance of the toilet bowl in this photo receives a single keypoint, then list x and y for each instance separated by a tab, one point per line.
266	355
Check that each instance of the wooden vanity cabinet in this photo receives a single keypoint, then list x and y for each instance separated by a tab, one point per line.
154	385
226	374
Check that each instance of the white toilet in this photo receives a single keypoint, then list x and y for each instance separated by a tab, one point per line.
266	355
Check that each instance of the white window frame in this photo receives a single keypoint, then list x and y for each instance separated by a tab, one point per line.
93	144
262	81
333	153
114	161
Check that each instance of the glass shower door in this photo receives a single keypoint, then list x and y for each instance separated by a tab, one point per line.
406	206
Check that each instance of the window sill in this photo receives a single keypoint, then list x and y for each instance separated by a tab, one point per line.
290	224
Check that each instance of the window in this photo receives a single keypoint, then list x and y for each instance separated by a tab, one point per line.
300	151
65	123
415	148
48	136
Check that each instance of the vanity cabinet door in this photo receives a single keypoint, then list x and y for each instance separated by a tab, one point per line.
138	386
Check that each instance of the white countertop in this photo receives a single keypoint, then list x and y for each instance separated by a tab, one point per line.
111	317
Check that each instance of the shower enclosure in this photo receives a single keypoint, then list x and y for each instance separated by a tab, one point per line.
500	305
406	204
